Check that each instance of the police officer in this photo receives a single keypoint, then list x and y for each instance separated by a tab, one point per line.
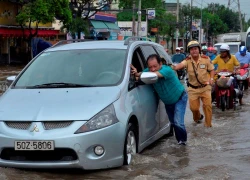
201	73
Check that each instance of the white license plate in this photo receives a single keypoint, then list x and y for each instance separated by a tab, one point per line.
34	145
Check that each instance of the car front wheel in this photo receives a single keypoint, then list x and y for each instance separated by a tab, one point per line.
130	144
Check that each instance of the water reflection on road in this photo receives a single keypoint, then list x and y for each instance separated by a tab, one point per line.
220	152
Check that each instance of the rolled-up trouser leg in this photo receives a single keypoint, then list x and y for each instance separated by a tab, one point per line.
194	103
207	107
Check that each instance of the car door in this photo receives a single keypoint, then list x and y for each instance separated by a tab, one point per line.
146	113
161	115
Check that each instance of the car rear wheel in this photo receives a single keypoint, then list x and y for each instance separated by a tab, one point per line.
130	145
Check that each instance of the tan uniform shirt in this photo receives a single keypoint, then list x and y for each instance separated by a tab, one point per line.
202	68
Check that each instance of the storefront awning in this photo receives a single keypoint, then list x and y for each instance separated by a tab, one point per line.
99	26
103	26
18	32
112	27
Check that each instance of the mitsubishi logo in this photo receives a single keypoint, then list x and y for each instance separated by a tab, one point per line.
34	129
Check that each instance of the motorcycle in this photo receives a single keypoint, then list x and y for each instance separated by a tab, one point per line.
243	77
224	91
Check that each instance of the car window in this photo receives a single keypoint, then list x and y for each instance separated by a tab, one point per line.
163	54
138	62
96	67
147	50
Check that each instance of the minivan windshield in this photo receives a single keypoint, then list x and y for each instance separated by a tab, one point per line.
74	68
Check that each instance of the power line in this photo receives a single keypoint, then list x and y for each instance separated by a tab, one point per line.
235	4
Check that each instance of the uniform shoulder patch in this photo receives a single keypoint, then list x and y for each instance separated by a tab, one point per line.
204	56
188	58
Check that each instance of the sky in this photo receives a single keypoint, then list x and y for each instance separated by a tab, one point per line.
244	4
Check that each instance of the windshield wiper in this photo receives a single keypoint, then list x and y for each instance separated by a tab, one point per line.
59	85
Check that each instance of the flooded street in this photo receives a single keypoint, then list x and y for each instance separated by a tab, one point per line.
220	152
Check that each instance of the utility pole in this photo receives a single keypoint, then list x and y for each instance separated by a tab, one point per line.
191	21
240	18
133	24
229	3
233	4
200	31
177	25
139	19
207	32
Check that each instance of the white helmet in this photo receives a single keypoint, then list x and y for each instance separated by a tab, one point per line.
204	48
224	47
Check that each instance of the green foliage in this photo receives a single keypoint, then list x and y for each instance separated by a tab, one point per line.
82	10
43	11
226	15
78	25
125	16
216	18
164	22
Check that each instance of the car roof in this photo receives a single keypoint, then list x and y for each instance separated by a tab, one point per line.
105	44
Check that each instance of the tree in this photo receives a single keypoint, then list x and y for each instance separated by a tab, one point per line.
42	12
216	19
229	17
82	10
164	22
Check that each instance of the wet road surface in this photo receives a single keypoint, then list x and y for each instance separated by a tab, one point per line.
220	152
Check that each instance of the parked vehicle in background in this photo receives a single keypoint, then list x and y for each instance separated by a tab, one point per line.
234	40
76	105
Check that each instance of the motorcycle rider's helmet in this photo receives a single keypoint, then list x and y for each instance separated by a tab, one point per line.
193	44
210	49
224	47
204	48
243	50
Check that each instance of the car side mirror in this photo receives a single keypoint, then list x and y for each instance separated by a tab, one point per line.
149	77
9	80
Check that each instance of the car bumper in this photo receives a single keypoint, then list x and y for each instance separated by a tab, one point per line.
111	138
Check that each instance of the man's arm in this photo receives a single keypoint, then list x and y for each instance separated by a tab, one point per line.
134	71
211	77
178	66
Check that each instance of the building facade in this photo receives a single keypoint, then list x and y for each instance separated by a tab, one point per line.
13	45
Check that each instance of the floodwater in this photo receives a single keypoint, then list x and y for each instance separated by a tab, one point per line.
220	152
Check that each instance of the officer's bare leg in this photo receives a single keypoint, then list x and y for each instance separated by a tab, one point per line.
207	107
194	103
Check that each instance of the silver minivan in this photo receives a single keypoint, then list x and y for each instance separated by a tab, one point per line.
76	105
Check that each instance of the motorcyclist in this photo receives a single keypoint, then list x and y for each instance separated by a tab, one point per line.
215	50
211	53
176	59
243	56
225	60
228	62
204	50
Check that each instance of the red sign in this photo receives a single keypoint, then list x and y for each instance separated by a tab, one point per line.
12	32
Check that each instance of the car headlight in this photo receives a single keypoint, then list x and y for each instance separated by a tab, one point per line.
103	119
